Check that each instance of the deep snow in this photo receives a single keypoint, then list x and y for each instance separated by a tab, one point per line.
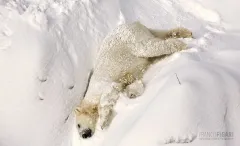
47	49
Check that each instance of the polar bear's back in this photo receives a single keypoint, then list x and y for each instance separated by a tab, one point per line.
125	33
118	62
115	59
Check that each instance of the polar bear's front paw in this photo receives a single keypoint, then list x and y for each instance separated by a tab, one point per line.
179	33
135	89
106	105
106	114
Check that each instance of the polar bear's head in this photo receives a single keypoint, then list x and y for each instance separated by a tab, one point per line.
86	119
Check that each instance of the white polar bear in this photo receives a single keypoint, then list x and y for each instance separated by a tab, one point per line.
121	62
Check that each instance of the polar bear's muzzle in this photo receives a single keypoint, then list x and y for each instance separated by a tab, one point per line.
86	133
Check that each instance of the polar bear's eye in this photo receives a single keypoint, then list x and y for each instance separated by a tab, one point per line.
79	126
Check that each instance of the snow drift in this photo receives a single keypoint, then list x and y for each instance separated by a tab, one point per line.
46	51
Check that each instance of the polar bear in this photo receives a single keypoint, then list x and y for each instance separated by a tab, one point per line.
122	60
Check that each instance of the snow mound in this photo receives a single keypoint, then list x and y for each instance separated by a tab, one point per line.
46	51
205	99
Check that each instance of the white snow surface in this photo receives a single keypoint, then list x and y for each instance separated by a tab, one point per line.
48	47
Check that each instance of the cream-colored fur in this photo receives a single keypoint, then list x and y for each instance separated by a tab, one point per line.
122	60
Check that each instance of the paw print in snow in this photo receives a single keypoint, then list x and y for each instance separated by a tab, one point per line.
187	138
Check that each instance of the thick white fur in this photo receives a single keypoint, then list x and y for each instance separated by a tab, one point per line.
121	62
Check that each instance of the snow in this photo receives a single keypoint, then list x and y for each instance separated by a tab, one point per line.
46	55
178	112
47	49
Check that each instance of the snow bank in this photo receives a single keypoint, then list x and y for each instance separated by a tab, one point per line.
46	53
223	12
205	100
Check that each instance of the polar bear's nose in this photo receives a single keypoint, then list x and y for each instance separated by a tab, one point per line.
87	133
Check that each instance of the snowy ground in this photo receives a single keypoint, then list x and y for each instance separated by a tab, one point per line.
47	49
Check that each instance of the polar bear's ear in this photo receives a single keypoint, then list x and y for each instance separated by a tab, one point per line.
92	109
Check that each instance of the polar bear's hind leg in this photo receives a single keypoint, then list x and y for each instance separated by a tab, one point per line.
156	47
164	43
